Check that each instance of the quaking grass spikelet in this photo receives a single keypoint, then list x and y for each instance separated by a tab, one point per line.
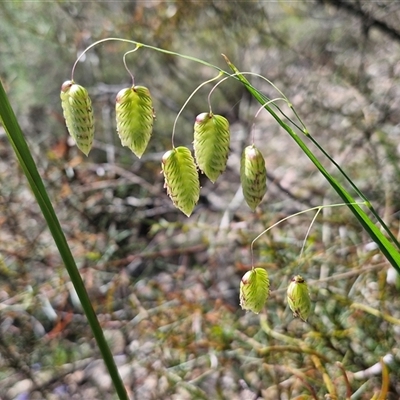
211	144
253	176
181	178
134	115
78	114
254	290
298	298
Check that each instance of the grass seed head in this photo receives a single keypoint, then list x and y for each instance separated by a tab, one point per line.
78	114
253	176
181	178
211	144
254	290
135	116
298	298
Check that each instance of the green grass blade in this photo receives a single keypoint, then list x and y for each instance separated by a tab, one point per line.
17	140
358	191
386	247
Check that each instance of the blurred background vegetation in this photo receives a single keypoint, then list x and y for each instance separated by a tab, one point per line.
165	287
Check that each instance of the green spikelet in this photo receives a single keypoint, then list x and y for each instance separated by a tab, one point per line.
298	298
254	290
253	176
211	144
78	114
135	116
181	178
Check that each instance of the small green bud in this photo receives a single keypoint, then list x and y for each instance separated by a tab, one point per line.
298	298
253	176
254	290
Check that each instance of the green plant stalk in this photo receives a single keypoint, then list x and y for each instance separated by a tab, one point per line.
18	142
359	192
386	247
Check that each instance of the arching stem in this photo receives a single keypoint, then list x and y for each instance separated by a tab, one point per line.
187	101
318	208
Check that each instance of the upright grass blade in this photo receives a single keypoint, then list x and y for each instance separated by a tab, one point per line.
387	248
17	140
358	191
305	131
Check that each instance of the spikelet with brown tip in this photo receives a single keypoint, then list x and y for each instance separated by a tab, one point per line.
211	144
298	298
253	176
134	115
78	114
181	178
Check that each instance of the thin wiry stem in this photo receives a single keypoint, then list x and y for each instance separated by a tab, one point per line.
319	208
126	66
187	101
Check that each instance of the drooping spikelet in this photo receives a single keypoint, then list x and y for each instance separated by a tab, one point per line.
134	115
298	297
211	144
78	114
181	178
253	176
254	290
